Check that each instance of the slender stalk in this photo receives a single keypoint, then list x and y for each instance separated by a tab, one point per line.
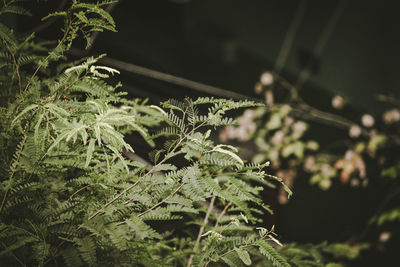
16	68
162	201
114	199
14	256
222	213
290	35
321	43
48	56
79	190
156	205
3	202
205	222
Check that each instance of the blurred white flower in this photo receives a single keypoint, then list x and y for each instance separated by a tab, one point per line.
299	127
309	164
248	114
337	102
278	137
288	121
354	131
227	133
327	170
350	154
391	116
252	127
367	120
267	78
384	236
242	134
354	182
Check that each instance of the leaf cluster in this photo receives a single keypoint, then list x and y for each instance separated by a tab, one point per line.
71	195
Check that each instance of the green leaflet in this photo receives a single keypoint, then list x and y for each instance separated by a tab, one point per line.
243	255
272	254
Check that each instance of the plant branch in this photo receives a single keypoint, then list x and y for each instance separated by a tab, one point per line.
205	222
162	201
49	55
114	199
14	256
94	35
12	174
79	190
222	213
133	185
48	22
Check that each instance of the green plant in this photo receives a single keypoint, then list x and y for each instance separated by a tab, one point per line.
70	194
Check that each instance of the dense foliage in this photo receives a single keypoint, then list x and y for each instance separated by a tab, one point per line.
71	193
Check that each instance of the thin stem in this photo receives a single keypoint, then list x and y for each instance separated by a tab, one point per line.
48	22
12	174
162	201
95	34
290	35
205	222
156	205
114	199
15	257
79	190
49	55
169	78
321	43
222	213
16	68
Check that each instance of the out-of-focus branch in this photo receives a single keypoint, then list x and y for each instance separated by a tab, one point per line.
290	35
135	157
299	107
169	78
50	21
321	43
94	35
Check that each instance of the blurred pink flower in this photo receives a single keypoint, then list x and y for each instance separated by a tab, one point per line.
258	88
288	121
248	114
349	164
299	127
391	116
242	134
309	163
278	137
354	131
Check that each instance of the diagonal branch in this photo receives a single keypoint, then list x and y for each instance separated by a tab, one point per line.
205	222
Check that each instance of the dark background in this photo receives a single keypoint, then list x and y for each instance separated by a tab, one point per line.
229	43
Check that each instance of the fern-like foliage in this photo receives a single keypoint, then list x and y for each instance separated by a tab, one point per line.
70	195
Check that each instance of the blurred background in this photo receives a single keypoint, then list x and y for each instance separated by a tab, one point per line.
299	53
